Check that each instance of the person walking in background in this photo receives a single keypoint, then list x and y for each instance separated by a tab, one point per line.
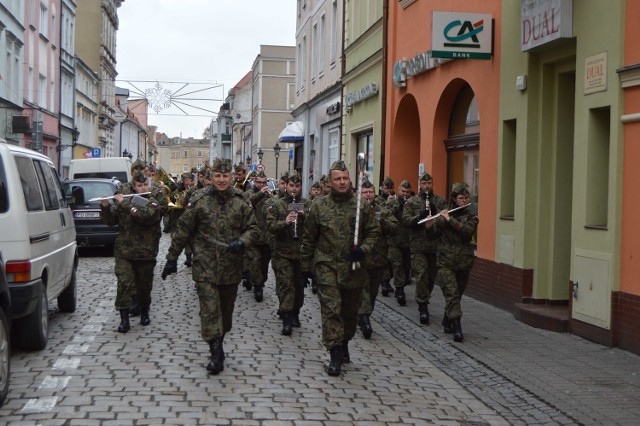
220	224
399	252
328	249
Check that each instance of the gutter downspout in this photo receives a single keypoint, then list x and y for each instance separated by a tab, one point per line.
383	99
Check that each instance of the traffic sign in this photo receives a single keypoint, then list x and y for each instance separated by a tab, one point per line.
260	167
96	152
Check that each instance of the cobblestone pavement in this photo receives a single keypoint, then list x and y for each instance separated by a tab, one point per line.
504	373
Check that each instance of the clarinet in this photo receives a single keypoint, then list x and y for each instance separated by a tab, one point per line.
295	222
427	205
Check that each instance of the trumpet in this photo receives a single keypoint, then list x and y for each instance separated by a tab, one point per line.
242	186
113	196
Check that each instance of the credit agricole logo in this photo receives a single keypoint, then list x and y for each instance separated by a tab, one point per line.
461	35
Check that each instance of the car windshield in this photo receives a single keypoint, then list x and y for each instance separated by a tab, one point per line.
81	192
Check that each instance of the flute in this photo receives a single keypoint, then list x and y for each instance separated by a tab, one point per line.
113	196
427	219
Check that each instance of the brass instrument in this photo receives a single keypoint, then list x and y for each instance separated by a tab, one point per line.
179	200
243	186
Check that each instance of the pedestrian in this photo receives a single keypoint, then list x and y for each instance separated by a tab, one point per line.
285	221
259	255
376	262
328	249
455	255
423	245
136	247
221	225
399	252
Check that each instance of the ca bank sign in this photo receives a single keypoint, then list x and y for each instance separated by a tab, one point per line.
461	35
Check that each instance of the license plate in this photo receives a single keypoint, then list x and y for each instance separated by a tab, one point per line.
86	215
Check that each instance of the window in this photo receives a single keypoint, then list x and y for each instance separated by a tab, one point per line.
42	90
30	84
365	145
598	167
53	29
199	154
32	12
314	52
29	182
44	20
321	46
508	180
185	167
48	186
185	154
4	196
334	145
334	33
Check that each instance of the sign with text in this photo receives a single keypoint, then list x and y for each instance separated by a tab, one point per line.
459	35
542	21
595	73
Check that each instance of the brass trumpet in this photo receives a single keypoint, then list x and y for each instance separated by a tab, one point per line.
243	186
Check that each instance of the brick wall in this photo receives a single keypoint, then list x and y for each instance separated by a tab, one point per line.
499	284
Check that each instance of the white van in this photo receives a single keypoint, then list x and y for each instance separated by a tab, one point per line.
107	168
38	242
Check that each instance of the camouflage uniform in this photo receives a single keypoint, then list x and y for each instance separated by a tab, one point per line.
135	249
399	253
259	255
215	216
286	252
423	246
326	245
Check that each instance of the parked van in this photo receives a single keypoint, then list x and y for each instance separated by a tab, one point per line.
106	168
38	242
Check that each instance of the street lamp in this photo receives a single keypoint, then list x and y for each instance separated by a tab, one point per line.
260	155
248	160
276	152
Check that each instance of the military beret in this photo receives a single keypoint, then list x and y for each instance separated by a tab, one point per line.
137	165
295	177
366	183
186	175
324	179
208	173
239	168
316	184
285	176
425	176
151	167
459	188
338	165
388	182
138	176
261	175
405	184
194	170
221	165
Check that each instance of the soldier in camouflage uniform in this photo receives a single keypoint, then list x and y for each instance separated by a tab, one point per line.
399	252
281	190
220	224
259	255
387	193
376	263
285	221
423	246
326	186
315	191
240	174
455	255
180	197
328	249
136	247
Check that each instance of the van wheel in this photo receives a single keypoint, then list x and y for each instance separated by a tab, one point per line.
67	299
34	329
5	356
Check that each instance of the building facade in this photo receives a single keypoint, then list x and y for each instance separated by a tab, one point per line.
185	155
68	129
13	121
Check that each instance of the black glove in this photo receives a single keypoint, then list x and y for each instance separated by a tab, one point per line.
306	278
236	246
171	267
356	254
423	214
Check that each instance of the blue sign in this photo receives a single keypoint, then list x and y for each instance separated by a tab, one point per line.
96	152
290	154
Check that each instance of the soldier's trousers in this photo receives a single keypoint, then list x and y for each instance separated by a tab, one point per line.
425	269
258	258
339	312
370	290
289	287
216	308
400	258
453	284
134	277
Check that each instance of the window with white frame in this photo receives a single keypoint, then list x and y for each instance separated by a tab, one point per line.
53	29
321	46
185	167
314	52
32	12
334	145
334	33
42	90
30	84
44	20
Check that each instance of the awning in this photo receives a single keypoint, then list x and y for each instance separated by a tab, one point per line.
293	132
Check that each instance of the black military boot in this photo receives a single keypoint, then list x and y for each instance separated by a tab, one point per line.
216	364
423	309
134	310
365	326
257	292
335	364
457	329
144	315
314	285
187	262
287	323
446	324
400	297
346	358
295	319
124	321
386	288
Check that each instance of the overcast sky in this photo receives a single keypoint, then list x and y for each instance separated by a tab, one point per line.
209	44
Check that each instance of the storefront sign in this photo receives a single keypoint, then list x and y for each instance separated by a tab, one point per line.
595	73
333	108
461	35
405	68
366	92
542	21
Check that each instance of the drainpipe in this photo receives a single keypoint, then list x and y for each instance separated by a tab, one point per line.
383	98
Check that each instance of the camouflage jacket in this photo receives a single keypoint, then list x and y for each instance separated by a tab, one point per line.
455	250
257	201
328	236
213	217
139	229
420	242
276	211
389	226
401	237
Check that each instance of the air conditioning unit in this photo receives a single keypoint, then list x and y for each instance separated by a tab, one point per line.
21	124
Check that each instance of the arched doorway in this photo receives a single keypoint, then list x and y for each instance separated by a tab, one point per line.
405	140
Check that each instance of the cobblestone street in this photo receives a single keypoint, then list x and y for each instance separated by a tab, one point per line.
406	374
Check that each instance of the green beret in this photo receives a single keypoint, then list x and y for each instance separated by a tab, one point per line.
366	183
138	176
316	184
459	188
338	165
295	177
405	184
186	175
137	165
221	165
387	182
285	176
425	176
239	168
261	175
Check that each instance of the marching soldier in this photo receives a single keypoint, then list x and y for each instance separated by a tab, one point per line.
328	249
399	253
387	191
326	186
221	225
241	174
455	255
285	220
136	247
180	196
315	191
281	191
423	245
